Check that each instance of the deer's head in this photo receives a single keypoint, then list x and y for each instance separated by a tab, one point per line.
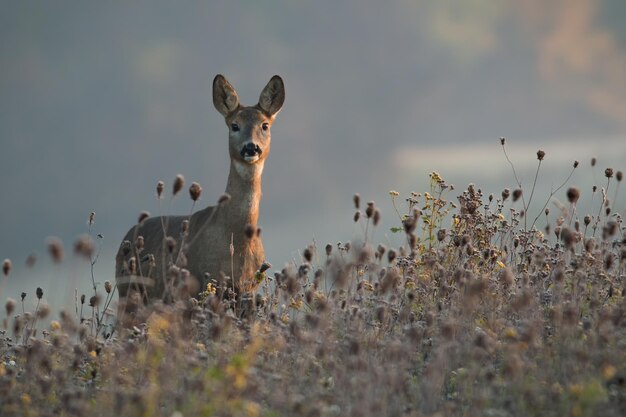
249	127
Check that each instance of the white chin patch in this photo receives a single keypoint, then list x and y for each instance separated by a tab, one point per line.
251	158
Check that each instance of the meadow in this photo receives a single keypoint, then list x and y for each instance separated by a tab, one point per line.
495	305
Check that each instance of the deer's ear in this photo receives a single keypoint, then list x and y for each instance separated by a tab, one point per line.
225	97
272	96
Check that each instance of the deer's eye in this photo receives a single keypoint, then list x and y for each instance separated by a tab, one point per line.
235	127
265	126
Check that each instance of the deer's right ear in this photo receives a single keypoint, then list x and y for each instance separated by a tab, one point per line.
225	97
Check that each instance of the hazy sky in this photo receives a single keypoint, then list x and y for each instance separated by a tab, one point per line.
100	100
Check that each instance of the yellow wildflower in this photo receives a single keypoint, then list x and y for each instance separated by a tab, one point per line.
608	372
55	325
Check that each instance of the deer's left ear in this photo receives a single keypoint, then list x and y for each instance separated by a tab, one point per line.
272	96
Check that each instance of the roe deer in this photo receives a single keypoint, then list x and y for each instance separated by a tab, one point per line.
150	257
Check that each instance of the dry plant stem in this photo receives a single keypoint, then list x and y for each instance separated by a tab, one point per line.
184	235
532	191
602	203
92	261
517	181
552	193
27	331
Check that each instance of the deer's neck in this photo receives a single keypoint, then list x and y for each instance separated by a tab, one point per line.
244	187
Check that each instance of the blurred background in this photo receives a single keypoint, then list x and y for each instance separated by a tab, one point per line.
99	101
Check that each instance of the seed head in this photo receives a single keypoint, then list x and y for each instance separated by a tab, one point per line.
357	201
142	217
265	266
43	311
369	211
573	194
159	189
249	231
224	198
82	298
39	293
170	243
329	249
94	300
619	175
194	191
55	248
502	140
91	218
593	161
587	220
184	226
376	217
505	194
307	254
84	246
6	267
179	183
540	155
10	306
357	216
576	163
23	295
31	260
517	193
608	172
391	255
108	287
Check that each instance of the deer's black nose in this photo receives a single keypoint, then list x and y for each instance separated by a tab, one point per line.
251	149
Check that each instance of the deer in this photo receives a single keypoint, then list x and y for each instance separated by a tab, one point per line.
160	252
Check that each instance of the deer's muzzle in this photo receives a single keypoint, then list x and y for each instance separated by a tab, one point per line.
251	152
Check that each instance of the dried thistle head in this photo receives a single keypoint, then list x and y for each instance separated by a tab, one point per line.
307	254
39	293
31	260
265	266
517	193
224	198
6	267
540	155
357	201
376	217
170	244
194	191
369	211
179	183
573	194
502	140
576	163
9	306
249	231
505	194
608	172
108	287
143	216
159	189
84	246
55	249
